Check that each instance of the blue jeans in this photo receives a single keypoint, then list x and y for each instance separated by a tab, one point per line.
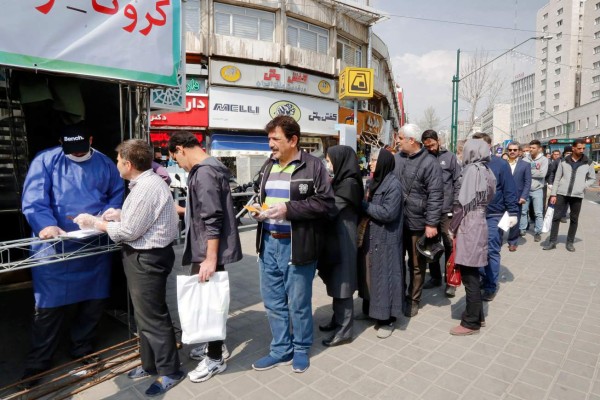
537	197
286	290
489	273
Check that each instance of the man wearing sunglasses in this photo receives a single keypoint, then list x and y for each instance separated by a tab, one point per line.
521	172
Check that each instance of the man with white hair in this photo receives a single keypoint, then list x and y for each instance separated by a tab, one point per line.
423	198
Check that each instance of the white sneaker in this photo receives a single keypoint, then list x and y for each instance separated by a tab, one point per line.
199	353
206	369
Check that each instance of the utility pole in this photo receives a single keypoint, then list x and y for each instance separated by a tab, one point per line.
455	81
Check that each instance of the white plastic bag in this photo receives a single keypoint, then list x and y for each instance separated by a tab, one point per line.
548	220
203	307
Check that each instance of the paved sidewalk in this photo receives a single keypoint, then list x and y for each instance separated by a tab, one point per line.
542	339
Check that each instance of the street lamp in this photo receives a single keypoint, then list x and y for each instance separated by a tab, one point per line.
456	80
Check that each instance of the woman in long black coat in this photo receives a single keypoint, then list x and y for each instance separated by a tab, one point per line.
337	266
380	257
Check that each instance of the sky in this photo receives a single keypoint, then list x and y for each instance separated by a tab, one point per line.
423	53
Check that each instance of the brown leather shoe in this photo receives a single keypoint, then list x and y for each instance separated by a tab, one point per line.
460	330
512	247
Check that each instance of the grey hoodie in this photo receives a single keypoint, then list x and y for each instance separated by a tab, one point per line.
572	178
209	214
539	168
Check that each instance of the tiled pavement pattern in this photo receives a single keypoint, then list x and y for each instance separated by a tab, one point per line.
542	339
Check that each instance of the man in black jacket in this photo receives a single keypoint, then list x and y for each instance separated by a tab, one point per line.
423	195
212	238
450	174
295	187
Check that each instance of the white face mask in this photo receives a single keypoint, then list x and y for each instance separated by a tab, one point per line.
82	158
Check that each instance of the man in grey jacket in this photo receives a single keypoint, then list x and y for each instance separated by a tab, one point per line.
539	168
574	174
423	195
212	238
450	174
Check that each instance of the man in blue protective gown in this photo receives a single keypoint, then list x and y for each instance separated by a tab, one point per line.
61	183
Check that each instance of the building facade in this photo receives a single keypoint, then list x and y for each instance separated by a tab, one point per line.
521	103
590	66
271	58
496	121
557	84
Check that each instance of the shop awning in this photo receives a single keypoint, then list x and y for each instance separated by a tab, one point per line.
239	145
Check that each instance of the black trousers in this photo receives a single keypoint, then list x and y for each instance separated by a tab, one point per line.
343	316
435	269
215	349
560	208
416	265
46	327
147	272
473	315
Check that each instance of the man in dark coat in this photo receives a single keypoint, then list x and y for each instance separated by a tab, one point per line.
450	174
522	175
423	192
505	200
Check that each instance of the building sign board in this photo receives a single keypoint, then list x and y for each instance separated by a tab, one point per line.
368	122
266	77
195	114
251	109
356	83
125	40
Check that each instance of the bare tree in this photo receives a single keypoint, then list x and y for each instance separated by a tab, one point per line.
479	82
430	119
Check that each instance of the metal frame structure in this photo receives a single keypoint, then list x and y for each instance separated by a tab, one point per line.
53	251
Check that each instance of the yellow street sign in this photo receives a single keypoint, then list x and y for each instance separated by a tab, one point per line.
356	83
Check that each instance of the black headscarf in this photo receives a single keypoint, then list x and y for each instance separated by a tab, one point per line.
385	166
346	170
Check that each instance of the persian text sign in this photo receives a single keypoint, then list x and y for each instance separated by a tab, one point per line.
236	108
268	77
138	41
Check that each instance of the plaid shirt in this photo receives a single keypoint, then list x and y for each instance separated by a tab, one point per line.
148	218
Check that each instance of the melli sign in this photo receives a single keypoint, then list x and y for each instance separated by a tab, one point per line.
251	109
125	40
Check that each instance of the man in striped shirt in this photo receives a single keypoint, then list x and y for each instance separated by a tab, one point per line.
295	186
146	227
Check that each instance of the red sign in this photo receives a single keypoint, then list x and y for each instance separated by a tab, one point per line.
195	115
160	138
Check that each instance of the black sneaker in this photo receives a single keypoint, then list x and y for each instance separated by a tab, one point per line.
488	296
570	247
549	246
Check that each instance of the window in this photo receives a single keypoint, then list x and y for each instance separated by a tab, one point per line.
544	60
596	49
596	79
556	96
544	50
595	93
544	71
596	121
559	35
349	51
307	36
555	108
243	22
545	16
545	28
542	104
557	71
559	11
559	47
543	82
597	6
587	123
557	84
559	23
558	60
596	65
597	21
543	92
597	35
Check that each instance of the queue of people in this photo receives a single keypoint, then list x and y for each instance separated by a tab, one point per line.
313	216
